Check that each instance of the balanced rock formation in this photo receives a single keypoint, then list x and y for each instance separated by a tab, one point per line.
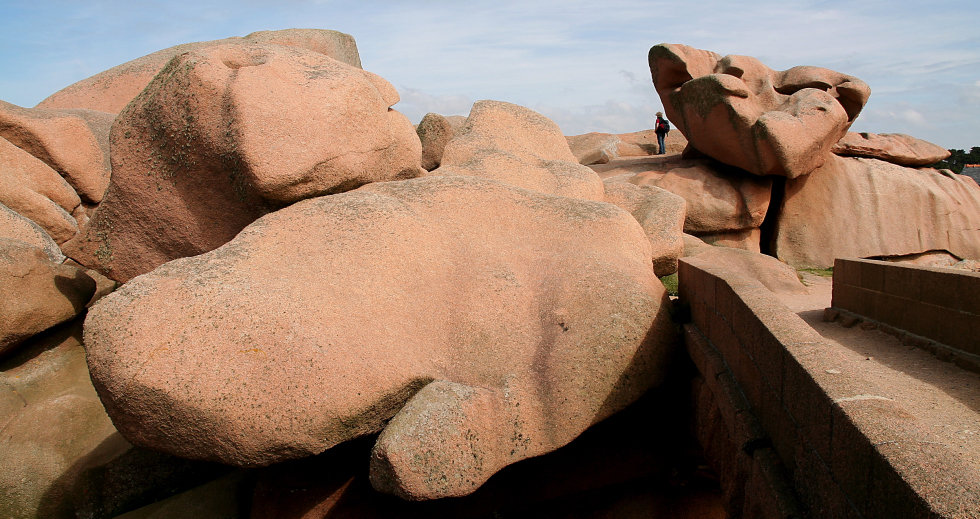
720	199
37	293
488	323
111	90
228	132
857	207
75	143
518	146
34	190
660	213
740	112
435	131
896	148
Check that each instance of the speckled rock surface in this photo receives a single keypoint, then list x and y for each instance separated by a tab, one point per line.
226	133
35	191
660	213
13	226
500	321
856	207
518	146
37	293
75	143
111	90
435	131
896	148
741	112
719	198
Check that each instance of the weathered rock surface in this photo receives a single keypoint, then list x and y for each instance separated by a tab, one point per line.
746	239
13	226
52	422
856	207
225	134
111	90
498	321
35	191
600	148
896	148
75	143
775	275
435	131
719	198
37	293
740	112
518	146
660	213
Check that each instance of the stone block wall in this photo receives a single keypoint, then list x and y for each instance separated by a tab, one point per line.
935	303
807	439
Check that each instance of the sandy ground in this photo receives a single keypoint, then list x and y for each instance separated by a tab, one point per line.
942	396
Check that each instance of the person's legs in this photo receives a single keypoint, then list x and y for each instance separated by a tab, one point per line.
660	141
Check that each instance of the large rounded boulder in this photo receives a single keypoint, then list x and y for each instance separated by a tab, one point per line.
477	323
229	132
111	90
516	145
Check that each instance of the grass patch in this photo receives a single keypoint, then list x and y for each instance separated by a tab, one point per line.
827	272
670	283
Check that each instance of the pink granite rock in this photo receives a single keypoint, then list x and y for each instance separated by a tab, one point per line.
498	321
75	143
896	148
856	207
740	112
37	293
226	133
13	226
35	191
111	90
660	213
775	275
719	198
516	145
435	131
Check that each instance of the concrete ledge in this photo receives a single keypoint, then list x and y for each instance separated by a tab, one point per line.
846	452
942	305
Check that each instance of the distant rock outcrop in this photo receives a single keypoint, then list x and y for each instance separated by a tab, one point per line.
518	146
488	323
740	112
600	148
227	133
111	90
896	148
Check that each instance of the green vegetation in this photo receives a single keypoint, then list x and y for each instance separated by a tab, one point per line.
958	159
670	283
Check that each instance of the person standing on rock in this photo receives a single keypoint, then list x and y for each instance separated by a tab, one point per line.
661	127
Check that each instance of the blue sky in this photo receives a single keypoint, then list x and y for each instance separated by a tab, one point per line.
581	63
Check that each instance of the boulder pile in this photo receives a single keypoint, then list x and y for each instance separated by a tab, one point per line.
299	268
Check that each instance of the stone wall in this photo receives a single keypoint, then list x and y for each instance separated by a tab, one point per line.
939	304
789	411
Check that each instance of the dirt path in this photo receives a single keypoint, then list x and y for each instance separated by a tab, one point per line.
942	396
